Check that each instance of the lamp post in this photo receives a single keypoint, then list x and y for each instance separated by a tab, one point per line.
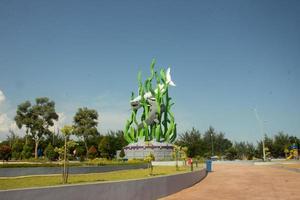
264	147
264	150
212	145
262	132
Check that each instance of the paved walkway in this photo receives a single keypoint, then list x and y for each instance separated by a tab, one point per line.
243	182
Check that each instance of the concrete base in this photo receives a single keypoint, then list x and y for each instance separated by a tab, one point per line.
160	152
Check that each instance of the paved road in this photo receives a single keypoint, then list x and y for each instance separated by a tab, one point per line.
244	181
10	172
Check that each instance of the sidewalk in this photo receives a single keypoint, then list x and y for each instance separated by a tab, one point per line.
238	181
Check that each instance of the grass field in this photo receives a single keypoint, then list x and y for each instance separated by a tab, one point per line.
50	180
45	163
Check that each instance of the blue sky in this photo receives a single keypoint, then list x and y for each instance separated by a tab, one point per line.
226	58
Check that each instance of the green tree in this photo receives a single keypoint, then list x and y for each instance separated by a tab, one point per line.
92	152
120	141
251	151
192	140
231	153
105	147
36	118
26	152
220	143
17	148
67	131
56	140
294	140
149	160
241	148
269	143
281	142
85	124
12	138
50	153
209	140
80	152
23	117
122	153
5	152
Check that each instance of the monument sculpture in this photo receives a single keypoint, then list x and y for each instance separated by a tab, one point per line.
151	127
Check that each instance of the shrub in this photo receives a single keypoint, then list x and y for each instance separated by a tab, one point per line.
231	153
17	150
50	153
105	147
26	152
80	152
5	152
149	159
16	155
122	153
92	152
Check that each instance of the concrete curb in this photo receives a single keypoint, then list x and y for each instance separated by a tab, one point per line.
152	188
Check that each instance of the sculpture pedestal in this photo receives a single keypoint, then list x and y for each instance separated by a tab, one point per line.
161	151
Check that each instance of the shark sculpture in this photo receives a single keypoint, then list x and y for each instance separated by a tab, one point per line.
157	120
160	87
149	97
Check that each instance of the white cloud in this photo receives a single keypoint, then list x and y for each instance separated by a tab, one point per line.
112	121
7	124
4	122
2	97
59	123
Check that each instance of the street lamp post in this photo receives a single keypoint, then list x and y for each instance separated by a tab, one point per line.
262	132
264	147
264	150
212	145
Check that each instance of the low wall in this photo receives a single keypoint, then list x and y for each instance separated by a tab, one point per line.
152	188
168	163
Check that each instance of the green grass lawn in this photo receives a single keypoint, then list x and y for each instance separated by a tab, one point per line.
49	180
45	163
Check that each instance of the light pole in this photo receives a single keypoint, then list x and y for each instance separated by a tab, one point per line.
212	145
262	132
264	150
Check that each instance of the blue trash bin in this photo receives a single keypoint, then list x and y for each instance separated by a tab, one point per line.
209	166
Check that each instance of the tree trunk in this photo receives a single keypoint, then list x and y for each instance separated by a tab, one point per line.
36	149
26	136
86	147
65	159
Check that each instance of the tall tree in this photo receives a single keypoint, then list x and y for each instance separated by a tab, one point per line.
192	140
85	124
5	152
105	147
221	144
110	143
209	139
67	131
281	142
12	138
23	118
36	118
241	148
